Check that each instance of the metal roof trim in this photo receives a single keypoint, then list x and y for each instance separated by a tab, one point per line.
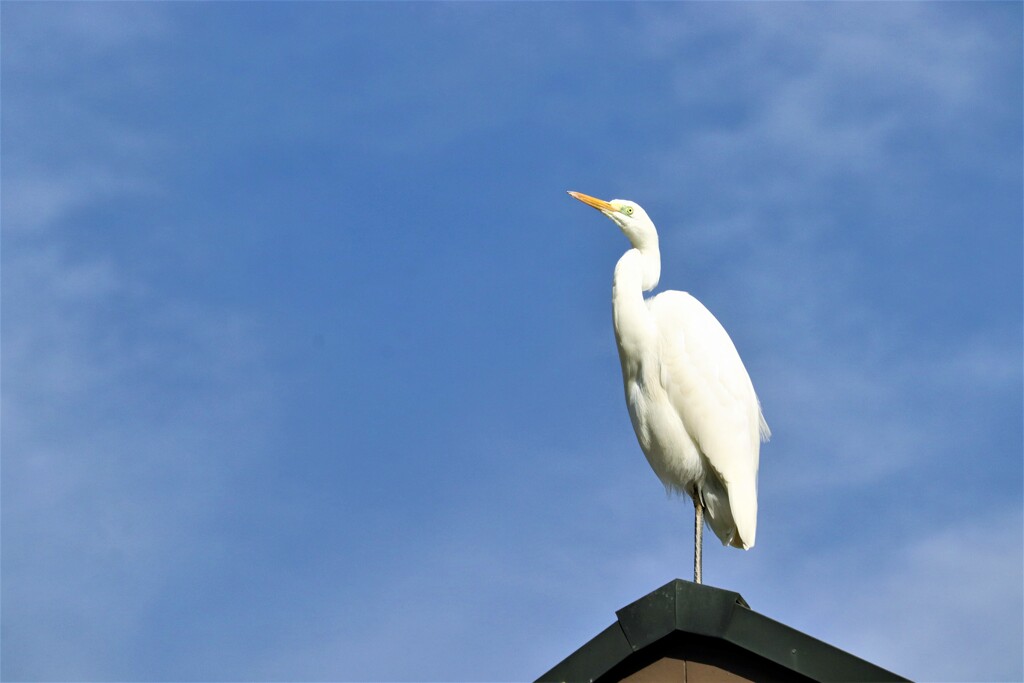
678	606
697	610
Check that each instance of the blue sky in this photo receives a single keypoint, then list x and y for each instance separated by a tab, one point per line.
308	370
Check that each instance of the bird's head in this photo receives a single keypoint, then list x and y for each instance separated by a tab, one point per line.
629	216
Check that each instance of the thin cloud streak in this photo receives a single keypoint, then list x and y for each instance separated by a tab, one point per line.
126	414
118	471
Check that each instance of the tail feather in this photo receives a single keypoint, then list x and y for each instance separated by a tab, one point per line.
731	514
763	430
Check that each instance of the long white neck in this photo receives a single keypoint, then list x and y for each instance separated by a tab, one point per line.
638	271
634	327
644	239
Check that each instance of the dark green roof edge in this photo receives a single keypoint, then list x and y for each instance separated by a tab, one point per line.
712	612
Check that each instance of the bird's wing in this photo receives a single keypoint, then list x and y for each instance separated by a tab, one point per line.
711	391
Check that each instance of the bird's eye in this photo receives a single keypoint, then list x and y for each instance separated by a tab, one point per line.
628	210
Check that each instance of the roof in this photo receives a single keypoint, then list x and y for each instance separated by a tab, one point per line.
710	626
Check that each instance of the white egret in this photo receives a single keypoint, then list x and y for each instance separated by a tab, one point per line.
690	399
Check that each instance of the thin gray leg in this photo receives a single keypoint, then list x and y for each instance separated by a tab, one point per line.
698	537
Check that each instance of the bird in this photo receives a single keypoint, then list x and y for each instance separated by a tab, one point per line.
690	399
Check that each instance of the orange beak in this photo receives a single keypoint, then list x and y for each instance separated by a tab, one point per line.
599	204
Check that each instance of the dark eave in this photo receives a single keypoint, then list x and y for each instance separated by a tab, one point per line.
685	619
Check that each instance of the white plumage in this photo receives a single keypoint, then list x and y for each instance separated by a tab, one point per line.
690	400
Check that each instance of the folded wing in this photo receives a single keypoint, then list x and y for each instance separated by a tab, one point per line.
711	391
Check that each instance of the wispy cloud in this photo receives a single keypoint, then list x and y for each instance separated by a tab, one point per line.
951	590
125	416
126	412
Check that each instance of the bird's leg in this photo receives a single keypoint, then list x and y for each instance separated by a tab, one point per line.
698	536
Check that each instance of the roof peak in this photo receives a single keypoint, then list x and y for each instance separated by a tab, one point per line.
696	622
